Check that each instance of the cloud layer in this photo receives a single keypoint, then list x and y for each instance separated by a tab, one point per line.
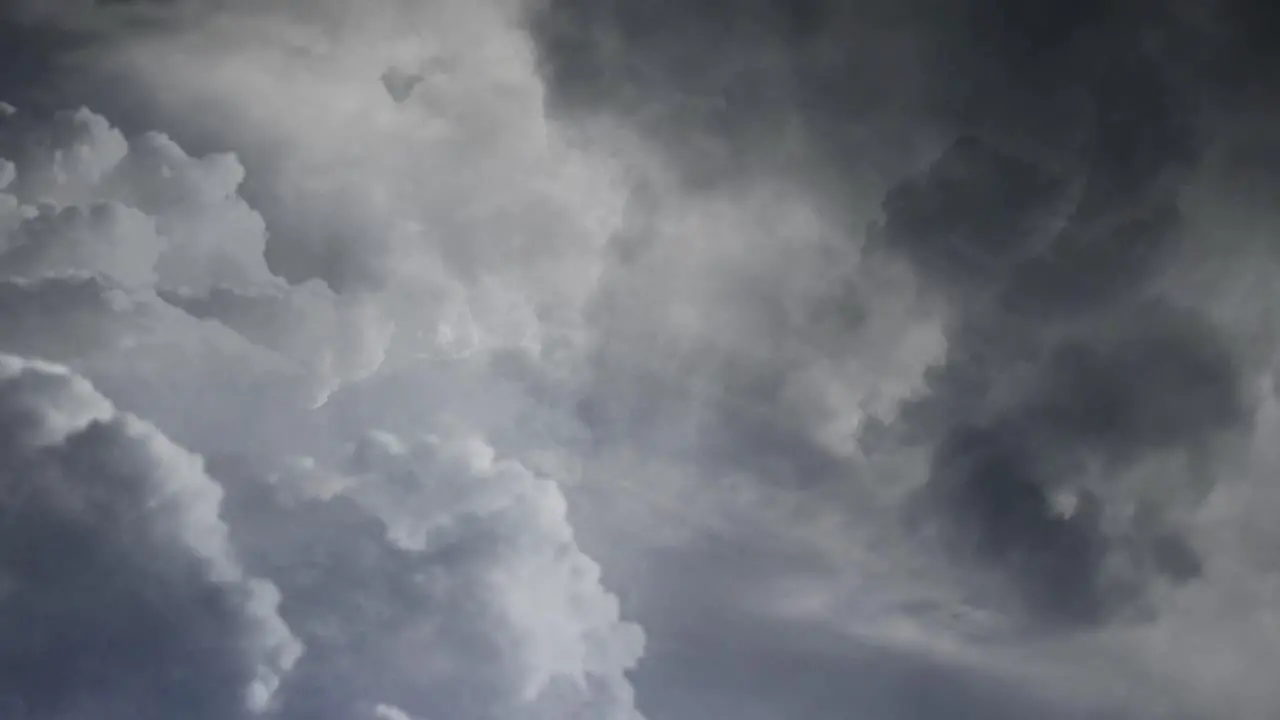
922	348
425	577
123	595
1048	181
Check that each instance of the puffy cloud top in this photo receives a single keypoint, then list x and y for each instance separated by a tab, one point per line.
123	597
491	574
430	579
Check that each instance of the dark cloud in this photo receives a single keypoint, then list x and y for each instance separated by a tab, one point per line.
1059	350
707	649
1018	168
974	216
121	597
1044	223
812	85
400	84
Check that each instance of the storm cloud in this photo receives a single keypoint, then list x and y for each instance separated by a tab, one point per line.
595	359
123	595
1037	176
424	576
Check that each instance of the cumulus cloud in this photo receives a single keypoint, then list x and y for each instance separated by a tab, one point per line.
478	568
123	595
389	712
907	322
431	579
123	245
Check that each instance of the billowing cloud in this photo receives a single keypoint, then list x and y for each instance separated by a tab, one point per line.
100	228
1065	366
1048	183
463	574
429	578
123	595
932	337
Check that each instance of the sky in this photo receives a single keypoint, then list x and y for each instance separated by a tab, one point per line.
638	360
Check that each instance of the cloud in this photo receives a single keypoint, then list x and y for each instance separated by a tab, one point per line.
1063	369
1048	184
1037	242
123	595
906	321
389	712
440	581
463	574
127	244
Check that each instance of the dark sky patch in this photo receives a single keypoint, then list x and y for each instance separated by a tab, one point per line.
1044	224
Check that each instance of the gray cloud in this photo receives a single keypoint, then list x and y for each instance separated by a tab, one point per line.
913	311
461	572
123	596
448	582
1058	329
1034	167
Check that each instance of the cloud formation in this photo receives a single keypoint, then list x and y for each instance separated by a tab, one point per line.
123	594
931	337
463	574
427	577
1049	182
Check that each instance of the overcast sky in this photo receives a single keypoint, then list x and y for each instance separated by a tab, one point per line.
638	359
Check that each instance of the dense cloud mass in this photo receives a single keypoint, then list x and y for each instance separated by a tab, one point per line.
123	595
421	578
879	359
441	552
1052	178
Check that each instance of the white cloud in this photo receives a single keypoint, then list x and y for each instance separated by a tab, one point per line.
390	712
546	588
502	582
